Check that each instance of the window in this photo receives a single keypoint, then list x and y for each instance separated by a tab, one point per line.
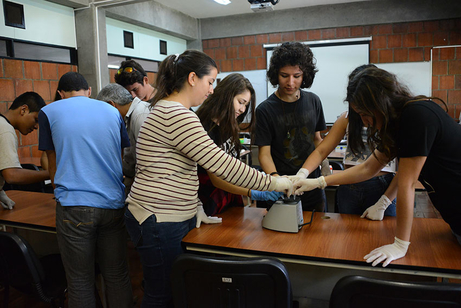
163	50
128	39
14	14
3	49
24	50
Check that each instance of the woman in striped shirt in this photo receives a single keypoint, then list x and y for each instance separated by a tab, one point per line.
163	205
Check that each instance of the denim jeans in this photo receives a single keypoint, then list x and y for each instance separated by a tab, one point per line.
88	234
356	198
158	245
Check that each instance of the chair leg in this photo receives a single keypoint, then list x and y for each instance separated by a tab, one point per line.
6	297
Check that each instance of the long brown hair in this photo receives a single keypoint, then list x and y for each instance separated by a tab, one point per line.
175	69
219	108
374	91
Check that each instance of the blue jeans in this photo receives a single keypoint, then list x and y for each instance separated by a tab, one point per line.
356	198
158	245
86	234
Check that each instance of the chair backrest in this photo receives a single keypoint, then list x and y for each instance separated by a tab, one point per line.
359	291
37	187
19	265
200	281
336	165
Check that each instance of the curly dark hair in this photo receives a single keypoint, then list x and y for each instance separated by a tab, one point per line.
124	78
292	53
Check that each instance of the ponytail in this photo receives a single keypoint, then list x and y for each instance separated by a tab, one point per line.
175	69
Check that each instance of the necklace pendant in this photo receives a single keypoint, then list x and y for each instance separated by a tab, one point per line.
288	135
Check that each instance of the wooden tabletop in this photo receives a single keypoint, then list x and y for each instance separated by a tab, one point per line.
32	210
340	238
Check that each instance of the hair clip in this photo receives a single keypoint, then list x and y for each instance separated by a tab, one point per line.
176	58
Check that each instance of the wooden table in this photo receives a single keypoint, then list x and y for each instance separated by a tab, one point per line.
339	241
33	210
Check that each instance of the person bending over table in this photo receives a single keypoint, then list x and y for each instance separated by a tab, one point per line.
22	116
221	115
420	134
132	77
357	198
163	205
288	123
134	112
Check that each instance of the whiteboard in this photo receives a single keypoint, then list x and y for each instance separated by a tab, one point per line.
417	76
334	64
257	79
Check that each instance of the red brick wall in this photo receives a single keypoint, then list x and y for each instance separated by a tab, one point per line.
17	77
400	42
446	77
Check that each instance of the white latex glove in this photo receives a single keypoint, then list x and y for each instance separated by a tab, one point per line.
283	184
376	211
301	175
388	253
201	217
6	202
309	184
325	167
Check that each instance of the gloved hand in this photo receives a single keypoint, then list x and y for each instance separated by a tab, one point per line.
376	211
388	253
325	167
283	184
6	202
265	195
301	175
308	185
201	216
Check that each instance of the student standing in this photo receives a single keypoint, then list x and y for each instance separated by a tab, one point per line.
414	129
222	115
22	116
289	122
83	139
163	205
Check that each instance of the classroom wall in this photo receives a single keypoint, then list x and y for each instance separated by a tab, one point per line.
17	77
391	43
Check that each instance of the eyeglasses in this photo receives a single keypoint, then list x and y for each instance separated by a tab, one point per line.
127	69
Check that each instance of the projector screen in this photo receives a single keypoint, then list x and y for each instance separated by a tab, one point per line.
335	61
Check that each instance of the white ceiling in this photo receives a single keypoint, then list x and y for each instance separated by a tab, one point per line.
209	8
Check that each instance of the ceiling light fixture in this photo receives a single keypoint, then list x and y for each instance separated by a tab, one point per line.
223	2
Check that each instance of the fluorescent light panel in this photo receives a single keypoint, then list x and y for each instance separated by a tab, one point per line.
223	2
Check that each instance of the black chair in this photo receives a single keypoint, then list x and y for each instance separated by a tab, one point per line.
37	187
21	269
336	165
359	291
212	282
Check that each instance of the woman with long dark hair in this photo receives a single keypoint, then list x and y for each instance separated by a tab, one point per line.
163	205
222	116
417	131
